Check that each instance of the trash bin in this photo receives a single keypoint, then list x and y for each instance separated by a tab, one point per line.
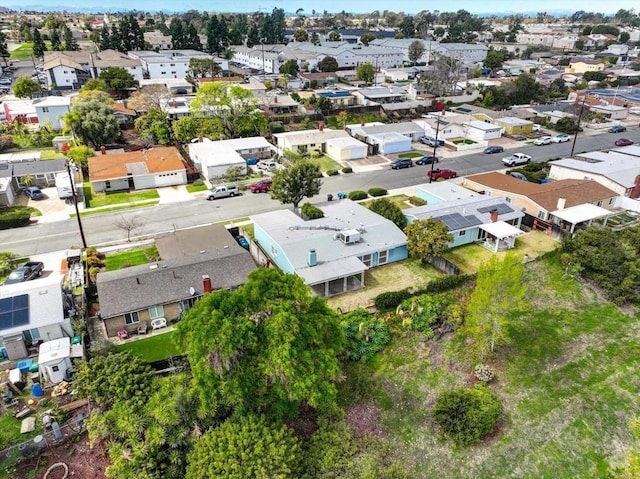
36	390
329	197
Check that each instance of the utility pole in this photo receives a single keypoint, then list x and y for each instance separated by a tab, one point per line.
575	136
435	145
75	204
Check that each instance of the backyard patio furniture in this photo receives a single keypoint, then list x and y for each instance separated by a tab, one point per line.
158	323
122	333
142	327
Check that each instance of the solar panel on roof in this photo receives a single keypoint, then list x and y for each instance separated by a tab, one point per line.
501	207
14	311
455	221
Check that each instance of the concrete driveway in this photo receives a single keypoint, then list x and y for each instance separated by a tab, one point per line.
51	207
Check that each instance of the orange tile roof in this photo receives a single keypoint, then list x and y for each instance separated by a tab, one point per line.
153	160
546	195
120	108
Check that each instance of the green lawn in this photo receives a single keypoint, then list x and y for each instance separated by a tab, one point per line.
399	200
95	200
153	348
117	208
126	258
24	51
10	429
326	164
411	154
568	384
50	155
195	188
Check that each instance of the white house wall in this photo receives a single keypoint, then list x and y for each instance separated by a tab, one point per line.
560	173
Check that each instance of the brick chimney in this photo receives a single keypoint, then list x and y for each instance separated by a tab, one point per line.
103	150
494	216
561	202
321	126
206	283
635	191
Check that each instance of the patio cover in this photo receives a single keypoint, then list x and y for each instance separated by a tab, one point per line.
330	270
501	229
581	213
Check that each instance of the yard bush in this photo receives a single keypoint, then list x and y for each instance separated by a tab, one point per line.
391	299
6	142
416	201
357	195
198	182
331	172
366	334
311	212
14	217
420	313
376	191
347	169
446	283
484	373
276	127
466	415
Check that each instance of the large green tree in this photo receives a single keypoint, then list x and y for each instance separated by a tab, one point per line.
154	125
415	51
117	78
235	107
93	122
246	447
499	294
426	238
366	73
266	347
56	42
328	64
24	87
70	43
389	210
301	179
4	50
39	46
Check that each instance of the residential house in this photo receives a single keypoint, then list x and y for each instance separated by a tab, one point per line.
380	94
616	170
177	107
20	110
330	254
304	141
32	311
172	64
72	69
52	110
279	104
441	191
472	218
265	58
214	158
583	65
409	129
402	45
318	79
612	112
338	98
125	116
514	126
194	261
347	55
137	170
158	40
541	202
177	86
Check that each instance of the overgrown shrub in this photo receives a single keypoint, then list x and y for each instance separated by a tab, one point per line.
366	334
446	283
331	172
391	299
416	201
357	195
311	212
420	313
198	182
484	373
93	261
376	191
276	127
389	210
14	217
6	142
347	169
466	415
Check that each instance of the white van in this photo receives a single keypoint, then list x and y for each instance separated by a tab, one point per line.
267	165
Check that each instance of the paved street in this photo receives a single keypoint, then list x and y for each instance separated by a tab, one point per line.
100	229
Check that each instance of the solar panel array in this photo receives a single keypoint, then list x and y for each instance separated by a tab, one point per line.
456	221
501	207
14	311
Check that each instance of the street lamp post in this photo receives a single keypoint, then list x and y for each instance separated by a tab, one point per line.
75	204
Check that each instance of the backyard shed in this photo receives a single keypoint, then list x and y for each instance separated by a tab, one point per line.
55	359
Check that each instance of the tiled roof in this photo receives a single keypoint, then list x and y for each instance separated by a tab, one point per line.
155	160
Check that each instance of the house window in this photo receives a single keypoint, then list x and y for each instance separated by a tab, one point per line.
383	257
131	318
462	233
507	199
542	215
599	203
156	312
366	259
55	369
32	335
45	109
107	184
612	201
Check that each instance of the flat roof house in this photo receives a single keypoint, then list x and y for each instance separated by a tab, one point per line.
332	253
304	141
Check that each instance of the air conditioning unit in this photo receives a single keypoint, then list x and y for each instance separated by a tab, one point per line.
349	236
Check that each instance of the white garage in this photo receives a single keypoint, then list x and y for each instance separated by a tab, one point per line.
213	159
389	143
346	149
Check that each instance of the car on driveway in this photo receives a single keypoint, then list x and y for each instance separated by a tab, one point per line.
543	140
34	193
26	272
441	173
262	186
623	142
516	159
401	163
561	138
431	141
242	241
617	129
489	150
427	160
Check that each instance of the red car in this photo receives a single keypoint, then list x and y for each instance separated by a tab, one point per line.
262	186
623	142
441	173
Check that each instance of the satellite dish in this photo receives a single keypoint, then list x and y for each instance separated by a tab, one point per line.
192	291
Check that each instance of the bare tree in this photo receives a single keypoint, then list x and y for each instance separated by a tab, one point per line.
129	225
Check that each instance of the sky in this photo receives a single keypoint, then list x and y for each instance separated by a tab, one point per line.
332	6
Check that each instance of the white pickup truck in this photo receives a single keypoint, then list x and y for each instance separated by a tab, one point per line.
221	191
516	159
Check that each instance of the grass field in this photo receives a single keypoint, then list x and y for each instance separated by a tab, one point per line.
326	164
411	154
399	200
568	384
195	188
25	51
153	348
126	258
107	199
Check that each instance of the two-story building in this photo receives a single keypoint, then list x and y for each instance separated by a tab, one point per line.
51	110
172	64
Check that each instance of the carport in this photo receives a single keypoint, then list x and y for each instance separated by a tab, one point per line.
579	216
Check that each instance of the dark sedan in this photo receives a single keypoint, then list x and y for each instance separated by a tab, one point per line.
401	163
493	149
427	160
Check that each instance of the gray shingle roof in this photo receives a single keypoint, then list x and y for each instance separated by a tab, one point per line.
37	167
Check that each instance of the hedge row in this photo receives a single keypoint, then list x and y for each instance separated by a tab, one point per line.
312	212
391	299
376	191
331	172
357	195
14	217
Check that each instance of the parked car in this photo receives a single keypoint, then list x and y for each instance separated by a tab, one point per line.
267	165
427	160
262	186
517	175
242	241
221	191
26	272
489	150
441	173
617	129
401	163
623	142
561	138
431	141
537	127
543	140
34	193
516	159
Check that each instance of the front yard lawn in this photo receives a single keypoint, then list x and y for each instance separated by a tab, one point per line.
399	200
130	258
411	154
192	188
154	348
94	200
326	164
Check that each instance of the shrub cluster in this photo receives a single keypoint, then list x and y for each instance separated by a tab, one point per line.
347	169
366	334
331	172
14	217
484	373
416	201
376	191
311	212
357	195
392	299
